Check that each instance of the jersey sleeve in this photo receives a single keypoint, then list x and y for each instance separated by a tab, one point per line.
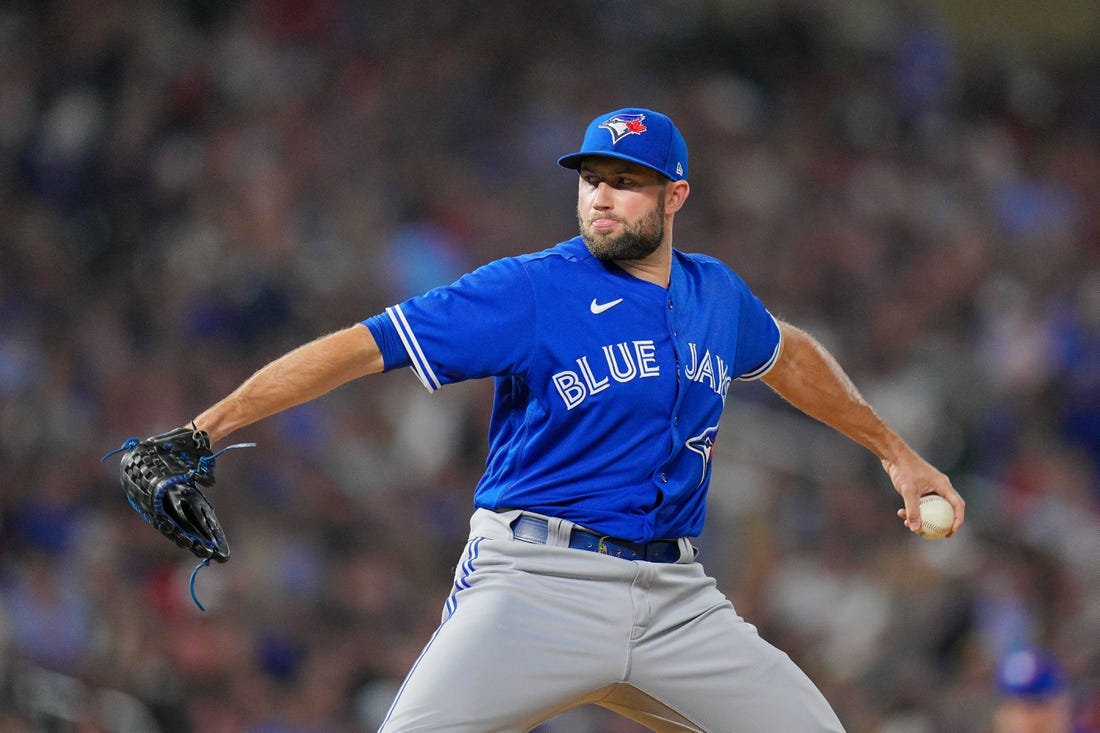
482	325
758	338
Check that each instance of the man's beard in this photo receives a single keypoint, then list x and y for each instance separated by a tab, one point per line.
634	242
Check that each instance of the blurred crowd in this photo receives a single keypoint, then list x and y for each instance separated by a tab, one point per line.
189	189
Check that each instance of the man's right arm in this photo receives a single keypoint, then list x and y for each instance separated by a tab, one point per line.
301	375
808	377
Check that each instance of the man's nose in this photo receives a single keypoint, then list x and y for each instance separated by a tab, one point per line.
601	198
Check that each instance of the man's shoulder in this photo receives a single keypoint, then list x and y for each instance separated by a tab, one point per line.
698	264
571	250
699	259
551	261
707	271
528	266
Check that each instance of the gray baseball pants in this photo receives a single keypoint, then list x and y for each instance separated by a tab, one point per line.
531	630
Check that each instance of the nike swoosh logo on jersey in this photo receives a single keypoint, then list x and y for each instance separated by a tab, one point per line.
599	308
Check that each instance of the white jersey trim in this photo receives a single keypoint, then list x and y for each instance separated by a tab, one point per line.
420	365
766	366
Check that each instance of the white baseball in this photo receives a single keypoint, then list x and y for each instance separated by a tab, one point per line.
936	517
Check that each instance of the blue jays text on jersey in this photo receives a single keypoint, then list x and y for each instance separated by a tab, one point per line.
626	362
608	388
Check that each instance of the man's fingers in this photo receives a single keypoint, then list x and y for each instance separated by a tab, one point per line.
911	516
959	505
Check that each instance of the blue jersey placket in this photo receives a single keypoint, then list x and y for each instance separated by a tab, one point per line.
662	476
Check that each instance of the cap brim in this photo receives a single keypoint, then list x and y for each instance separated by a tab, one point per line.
573	161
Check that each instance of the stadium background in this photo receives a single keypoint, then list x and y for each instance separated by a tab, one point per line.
189	189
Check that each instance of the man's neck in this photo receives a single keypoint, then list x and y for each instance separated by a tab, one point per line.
656	268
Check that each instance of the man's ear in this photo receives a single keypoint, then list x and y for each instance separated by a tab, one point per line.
675	196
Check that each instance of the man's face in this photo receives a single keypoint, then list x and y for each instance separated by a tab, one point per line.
620	209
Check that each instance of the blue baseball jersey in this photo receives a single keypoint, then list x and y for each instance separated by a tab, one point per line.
608	388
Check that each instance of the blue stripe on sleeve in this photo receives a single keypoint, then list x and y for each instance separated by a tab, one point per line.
420	363
399	346
766	366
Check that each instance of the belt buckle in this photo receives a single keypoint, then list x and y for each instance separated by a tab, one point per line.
604	549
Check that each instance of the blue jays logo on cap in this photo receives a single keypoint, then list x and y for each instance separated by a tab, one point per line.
637	135
622	125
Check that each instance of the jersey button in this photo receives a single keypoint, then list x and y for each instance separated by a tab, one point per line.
664	478
676	420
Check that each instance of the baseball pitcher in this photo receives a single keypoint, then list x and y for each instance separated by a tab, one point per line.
612	355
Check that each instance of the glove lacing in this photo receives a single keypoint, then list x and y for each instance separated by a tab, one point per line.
204	469
206	466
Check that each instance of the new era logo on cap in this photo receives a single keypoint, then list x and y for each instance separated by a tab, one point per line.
638	135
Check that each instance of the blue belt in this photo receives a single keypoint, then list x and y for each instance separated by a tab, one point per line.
536	530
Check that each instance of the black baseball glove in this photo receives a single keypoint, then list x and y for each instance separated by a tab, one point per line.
162	476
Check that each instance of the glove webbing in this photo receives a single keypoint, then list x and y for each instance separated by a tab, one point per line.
205	467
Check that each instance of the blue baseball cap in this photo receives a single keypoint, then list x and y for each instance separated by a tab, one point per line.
1030	674
638	135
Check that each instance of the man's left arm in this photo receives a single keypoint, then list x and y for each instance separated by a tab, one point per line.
808	377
